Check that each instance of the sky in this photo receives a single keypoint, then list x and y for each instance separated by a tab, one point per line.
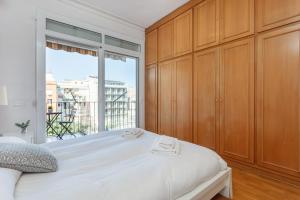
74	66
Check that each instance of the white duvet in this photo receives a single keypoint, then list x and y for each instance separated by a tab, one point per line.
109	167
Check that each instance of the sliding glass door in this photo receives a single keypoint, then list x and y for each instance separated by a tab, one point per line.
71	91
87	82
120	91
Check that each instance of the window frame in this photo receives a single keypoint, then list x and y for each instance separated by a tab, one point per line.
42	33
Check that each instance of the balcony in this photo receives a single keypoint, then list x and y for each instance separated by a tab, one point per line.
69	119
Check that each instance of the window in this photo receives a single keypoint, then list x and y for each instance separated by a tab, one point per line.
121	78
71	84
72	81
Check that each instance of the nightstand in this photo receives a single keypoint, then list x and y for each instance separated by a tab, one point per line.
28	137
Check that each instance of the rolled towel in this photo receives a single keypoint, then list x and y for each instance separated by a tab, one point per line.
132	133
166	145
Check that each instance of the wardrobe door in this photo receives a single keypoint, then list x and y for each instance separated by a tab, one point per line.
165	98
206	81
151	98
206	24
183	107
278	100
183	33
151	47
237	100
165	41
274	13
237	19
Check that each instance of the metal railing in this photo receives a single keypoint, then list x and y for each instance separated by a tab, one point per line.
119	113
84	120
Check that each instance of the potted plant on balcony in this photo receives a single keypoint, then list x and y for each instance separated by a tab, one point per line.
23	126
50	109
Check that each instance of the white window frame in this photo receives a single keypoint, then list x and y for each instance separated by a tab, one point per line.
42	33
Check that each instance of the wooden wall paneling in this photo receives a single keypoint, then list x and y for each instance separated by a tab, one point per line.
183	109
165	98
236	19
237	100
274	13
206	98
166	41
151	47
151	98
183	33
278	100
206	24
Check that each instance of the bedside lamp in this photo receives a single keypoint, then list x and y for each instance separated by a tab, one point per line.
3	96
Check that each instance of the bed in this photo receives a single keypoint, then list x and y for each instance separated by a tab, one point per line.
107	166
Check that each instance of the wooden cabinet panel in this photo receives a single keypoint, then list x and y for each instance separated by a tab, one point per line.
165	98
237	19
183	33
151	47
274	13
206	24
206	95
278	100
183	110
237	100
151	98
165	41
175	98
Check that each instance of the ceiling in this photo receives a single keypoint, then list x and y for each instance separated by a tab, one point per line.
139	12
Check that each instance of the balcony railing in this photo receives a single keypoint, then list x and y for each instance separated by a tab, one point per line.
120	115
82	117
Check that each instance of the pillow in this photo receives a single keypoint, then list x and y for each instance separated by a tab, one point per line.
27	158
8	180
9	177
11	139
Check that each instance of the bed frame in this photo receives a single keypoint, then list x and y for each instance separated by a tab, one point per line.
221	183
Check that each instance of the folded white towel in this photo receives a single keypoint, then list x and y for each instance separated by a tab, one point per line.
132	133
167	142
166	145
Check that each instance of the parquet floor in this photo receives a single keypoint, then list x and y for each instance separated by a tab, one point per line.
248	186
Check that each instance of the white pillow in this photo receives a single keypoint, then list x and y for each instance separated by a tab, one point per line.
8	180
11	139
9	177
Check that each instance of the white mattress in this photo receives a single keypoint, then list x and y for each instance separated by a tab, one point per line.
107	166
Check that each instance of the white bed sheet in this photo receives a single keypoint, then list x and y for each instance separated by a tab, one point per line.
107	166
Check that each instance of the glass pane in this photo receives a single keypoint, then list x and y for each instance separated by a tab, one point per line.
122	43
120	91
71	94
73	30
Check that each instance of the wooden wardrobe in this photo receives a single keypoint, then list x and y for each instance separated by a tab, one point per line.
224	99
225	74
278	100
175	98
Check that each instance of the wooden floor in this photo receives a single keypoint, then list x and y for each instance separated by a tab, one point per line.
248	186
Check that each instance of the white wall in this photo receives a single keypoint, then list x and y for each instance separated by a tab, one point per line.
18	51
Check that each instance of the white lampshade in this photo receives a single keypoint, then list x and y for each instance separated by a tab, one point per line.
3	96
